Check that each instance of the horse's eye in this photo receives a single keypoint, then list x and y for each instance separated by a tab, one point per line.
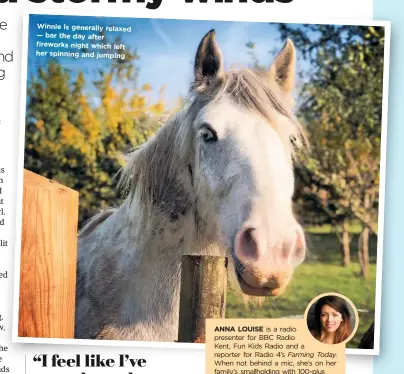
208	134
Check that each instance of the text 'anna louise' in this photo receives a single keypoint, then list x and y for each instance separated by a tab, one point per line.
253	329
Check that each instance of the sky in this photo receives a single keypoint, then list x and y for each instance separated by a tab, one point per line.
166	47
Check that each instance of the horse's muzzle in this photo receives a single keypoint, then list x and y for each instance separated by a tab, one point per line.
262	269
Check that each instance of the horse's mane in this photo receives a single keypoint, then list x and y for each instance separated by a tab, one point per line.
153	168
95	221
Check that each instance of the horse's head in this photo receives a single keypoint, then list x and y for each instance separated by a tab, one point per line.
243	130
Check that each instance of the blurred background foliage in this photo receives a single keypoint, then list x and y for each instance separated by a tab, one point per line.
79	137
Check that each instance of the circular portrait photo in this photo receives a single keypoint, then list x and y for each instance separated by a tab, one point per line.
332	319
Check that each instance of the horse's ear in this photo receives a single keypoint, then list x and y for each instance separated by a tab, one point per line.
208	66
283	69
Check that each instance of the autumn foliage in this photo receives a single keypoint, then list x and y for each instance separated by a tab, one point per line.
77	131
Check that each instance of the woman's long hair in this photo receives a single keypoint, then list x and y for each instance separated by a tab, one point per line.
345	328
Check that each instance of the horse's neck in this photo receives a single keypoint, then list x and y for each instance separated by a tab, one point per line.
150	255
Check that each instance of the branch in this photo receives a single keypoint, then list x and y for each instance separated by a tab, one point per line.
347	193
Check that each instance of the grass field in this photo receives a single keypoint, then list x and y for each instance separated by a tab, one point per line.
321	272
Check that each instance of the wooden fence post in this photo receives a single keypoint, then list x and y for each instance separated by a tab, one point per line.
203	295
48	259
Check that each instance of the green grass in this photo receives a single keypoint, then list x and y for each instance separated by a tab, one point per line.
321	273
353	228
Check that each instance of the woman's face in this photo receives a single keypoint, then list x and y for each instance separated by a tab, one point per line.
330	318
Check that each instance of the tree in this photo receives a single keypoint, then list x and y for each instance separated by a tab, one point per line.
76	135
319	205
341	104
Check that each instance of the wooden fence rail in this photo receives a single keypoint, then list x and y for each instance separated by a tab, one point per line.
48	259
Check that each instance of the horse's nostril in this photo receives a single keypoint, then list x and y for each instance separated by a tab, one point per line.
248	236
247	244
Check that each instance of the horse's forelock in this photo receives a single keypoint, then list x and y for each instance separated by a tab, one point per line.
255	91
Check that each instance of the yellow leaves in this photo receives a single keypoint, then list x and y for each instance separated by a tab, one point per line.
373	31
47	147
80	79
83	100
40	125
146	87
140	107
89	133
112	106
89	121
126	128
364	156
103	177
324	116
138	103
149	133
157	109
72	136
323	194
109	95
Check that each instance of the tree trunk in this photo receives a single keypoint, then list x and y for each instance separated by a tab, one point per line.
363	247
363	252
346	244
